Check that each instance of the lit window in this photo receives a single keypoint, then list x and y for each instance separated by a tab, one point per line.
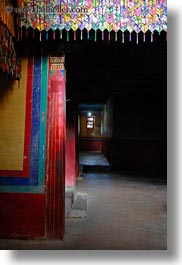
90	122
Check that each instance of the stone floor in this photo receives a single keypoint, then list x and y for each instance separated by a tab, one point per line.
93	159
125	212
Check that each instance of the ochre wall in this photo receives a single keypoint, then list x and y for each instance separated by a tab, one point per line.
12	121
22	192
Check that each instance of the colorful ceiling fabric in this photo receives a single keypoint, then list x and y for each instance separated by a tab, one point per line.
110	15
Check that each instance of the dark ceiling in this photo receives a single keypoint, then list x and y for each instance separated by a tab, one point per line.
91	106
98	70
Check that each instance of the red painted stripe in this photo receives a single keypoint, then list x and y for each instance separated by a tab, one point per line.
48	164
28	123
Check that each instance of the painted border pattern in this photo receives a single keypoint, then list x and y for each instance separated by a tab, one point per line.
35	182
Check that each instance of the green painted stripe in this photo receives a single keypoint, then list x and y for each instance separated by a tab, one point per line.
43	118
40	189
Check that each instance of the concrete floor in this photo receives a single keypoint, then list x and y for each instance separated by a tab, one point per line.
125	212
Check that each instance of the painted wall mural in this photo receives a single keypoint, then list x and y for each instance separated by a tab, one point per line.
110	15
31	178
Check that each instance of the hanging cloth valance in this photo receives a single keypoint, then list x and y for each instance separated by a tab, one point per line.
110	15
10	65
6	15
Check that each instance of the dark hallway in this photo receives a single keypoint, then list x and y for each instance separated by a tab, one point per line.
131	83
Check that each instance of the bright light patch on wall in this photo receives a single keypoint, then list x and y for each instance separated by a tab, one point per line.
90	122
89	114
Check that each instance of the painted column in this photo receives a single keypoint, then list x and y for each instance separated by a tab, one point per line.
56	154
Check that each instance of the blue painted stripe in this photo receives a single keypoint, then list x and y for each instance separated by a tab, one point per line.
14	181
35	135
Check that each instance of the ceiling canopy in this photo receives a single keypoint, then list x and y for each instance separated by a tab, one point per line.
110	15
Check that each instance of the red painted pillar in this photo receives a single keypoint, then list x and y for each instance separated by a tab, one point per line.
71	132
56	157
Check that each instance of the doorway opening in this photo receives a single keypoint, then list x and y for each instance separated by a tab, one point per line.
94	135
